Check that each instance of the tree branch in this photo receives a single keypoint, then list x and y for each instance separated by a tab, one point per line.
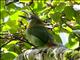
57	53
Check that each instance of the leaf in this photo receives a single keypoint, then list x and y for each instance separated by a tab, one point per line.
73	41
68	29
77	1
69	12
44	11
2	10
2	13
11	44
13	22
60	7
57	38
13	25
56	17
2	3
56	29
78	18
56	35
9	55
27	46
6	27
38	6
24	0
11	8
15	16
54	3
77	26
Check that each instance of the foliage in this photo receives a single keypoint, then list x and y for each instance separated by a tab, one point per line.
59	15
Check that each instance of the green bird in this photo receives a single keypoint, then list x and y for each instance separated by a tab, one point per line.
38	34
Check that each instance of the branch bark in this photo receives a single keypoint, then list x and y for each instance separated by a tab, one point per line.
57	53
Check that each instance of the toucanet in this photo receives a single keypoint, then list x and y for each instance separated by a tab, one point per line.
38	34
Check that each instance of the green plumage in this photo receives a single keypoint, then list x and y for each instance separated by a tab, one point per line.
37	34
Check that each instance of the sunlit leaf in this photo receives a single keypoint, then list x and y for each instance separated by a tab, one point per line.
13	25
69	29
56	29
24	0
6	27
77	26
55	2
11	44
73	42
15	16
38	6
77	1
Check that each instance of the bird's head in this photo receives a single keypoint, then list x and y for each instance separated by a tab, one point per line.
33	17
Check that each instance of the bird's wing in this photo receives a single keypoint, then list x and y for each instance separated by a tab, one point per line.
40	32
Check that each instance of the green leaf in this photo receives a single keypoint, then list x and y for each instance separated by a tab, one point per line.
2	13
57	38
38	6
11	44
68	29
24	0
56	17
2	4
77	1
27	46
60	7
6	27
77	26
15	16
11	8
13	24
56	29
56	35
55	2
45	11
9	55
78	18
69	12
73	41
